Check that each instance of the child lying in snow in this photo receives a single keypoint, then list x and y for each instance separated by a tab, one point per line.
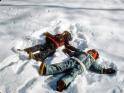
79	62
48	49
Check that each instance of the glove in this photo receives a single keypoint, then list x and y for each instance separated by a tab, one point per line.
109	71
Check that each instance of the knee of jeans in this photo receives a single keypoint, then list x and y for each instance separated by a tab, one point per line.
48	70
51	70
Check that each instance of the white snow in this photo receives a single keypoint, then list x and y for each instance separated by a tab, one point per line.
94	24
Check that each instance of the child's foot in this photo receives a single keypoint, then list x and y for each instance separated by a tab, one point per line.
27	50
42	69
20	50
60	86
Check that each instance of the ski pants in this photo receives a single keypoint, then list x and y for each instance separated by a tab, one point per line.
70	68
46	50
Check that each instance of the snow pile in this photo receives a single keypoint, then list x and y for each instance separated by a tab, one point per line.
18	74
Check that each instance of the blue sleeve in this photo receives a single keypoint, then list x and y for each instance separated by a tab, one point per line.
97	68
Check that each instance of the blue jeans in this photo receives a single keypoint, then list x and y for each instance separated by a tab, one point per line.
70	68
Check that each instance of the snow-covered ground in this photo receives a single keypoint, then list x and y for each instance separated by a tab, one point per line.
95	24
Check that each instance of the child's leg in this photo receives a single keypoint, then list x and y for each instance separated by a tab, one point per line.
59	67
66	80
38	57
40	47
42	55
34	48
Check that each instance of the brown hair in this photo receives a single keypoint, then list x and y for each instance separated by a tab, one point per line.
67	35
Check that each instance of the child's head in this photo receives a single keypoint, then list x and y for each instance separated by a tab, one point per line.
93	53
67	36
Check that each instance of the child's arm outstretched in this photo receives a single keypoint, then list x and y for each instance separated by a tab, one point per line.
70	47
101	70
68	52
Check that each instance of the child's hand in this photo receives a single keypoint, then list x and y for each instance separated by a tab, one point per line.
66	51
109	71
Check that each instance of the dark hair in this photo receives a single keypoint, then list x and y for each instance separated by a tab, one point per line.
67	36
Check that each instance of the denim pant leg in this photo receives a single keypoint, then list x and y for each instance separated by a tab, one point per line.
60	67
71	75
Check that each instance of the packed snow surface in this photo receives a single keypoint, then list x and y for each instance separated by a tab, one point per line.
97	24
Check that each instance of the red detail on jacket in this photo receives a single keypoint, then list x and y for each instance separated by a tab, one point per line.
56	42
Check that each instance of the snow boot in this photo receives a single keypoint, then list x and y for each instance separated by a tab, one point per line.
27	50
60	86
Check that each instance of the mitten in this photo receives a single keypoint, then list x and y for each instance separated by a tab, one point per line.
109	71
